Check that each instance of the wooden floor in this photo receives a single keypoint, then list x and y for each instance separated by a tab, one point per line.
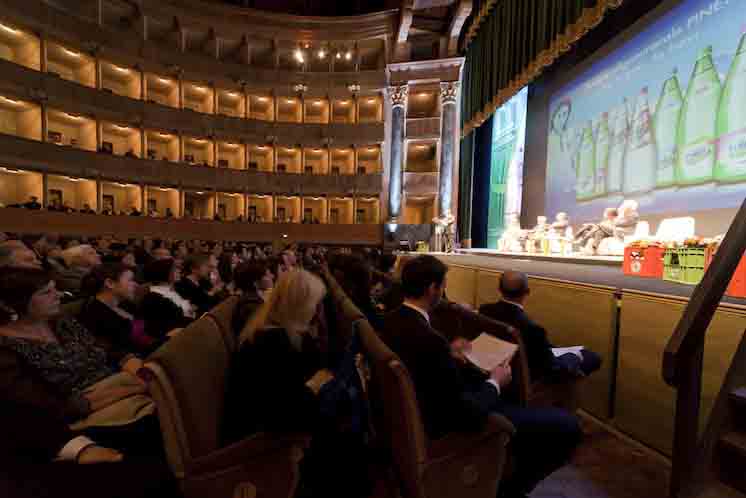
607	466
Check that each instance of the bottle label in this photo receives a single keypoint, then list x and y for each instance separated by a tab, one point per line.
698	159
732	153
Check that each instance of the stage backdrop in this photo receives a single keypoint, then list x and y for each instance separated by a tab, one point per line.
657	115
506	165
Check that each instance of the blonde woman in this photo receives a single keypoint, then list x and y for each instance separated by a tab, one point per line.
277	372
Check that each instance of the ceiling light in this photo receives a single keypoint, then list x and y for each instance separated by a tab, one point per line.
10	101
124	185
348	55
122	128
120	69
199	193
164	80
261	99
73	179
290	101
299	55
9	30
321	53
317	150
232	94
344	102
421	147
260	147
371	101
318	102
339	55
164	135
10	170
422	95
289	149
371	149
71	116
71	53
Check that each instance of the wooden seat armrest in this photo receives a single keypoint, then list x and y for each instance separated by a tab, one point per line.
247	449
460	442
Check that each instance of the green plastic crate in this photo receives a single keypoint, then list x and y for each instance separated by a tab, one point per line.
673	273
692	257
693	276
683	275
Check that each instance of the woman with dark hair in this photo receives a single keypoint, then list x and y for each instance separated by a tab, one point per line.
162	308
227	264
111	285
196	286
253	282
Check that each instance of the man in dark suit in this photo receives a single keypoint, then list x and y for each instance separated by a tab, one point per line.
542	362
454	396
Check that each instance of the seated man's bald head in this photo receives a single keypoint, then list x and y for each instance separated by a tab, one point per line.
513	284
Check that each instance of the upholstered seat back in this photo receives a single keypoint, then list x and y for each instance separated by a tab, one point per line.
397	416
223	316
189	391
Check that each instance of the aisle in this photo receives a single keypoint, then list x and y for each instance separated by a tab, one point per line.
607	466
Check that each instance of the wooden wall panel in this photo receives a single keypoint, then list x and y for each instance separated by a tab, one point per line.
488	286
576	315
461	284
644	402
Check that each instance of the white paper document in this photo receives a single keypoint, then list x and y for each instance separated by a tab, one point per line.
576	350
487	352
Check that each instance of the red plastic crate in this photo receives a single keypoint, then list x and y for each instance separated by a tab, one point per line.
737	286
644	262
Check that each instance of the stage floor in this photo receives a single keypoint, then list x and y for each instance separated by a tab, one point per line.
584	269
615	261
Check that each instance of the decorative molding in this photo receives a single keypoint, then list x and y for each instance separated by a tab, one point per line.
449	92
398	95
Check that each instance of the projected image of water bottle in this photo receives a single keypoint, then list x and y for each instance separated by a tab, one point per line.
617	149
585	179
666	123
641	163
696	134
602	155
731	122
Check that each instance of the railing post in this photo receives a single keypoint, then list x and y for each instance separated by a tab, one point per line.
686	428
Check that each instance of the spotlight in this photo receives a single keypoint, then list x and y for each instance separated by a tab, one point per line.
321	53
348	55
299	55
339	55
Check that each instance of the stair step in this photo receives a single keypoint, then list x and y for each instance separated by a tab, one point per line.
720	490
735	441
738	396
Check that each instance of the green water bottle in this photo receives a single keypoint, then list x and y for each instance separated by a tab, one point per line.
617	149
696	133
602	155
641	163
666	124
731	122
585	180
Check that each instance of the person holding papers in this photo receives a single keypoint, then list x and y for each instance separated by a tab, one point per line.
456	395
545	362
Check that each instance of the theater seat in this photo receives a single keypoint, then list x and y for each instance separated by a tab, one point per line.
190	374
222	314
454	320
459	465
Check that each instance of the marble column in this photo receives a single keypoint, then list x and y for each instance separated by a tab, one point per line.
398	96
448	127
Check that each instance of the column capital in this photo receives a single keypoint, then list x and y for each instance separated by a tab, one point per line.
448	92
398	95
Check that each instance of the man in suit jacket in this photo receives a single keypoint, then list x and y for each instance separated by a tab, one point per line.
541	360
454	396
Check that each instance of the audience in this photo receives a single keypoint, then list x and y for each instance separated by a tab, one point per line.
112	285
543	364
455	397
198	283
72	265
253	282
15	254
162	308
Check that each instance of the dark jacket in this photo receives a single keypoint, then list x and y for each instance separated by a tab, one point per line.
161	316
198	295
112	331
267	386
541	360
452	397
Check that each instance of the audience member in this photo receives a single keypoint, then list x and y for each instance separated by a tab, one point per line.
52	364
161	253
33	204
113	327
455	397
162	308
196	285
253	282
87	209
543	364
72	265
15	254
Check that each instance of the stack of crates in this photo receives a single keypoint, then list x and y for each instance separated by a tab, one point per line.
684	265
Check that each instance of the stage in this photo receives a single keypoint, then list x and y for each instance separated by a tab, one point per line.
599	270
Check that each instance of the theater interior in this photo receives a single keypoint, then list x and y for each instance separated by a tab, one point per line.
590	150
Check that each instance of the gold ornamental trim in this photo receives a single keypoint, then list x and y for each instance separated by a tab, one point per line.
589	19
